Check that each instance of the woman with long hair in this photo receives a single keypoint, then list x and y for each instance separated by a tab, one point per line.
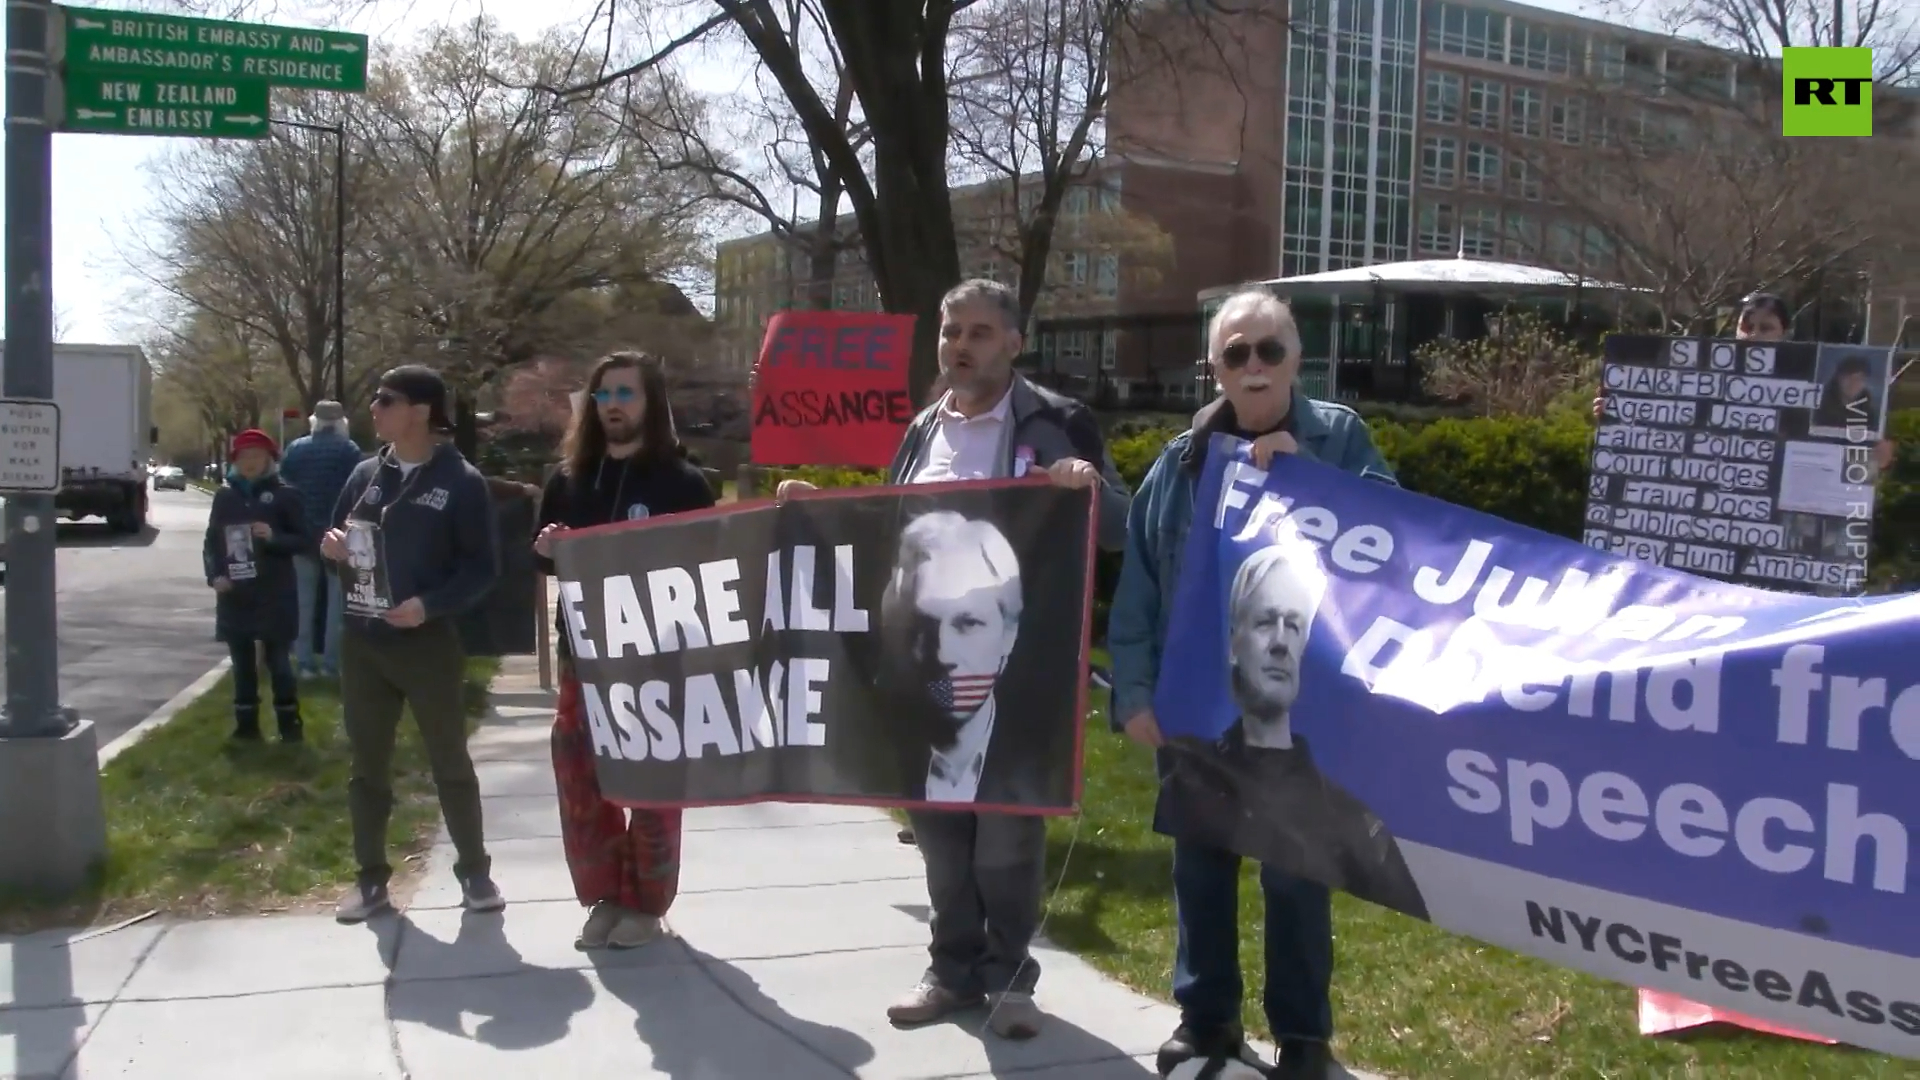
621	460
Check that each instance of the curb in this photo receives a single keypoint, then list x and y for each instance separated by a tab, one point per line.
160	716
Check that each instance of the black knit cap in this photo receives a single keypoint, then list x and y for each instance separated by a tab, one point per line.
421	385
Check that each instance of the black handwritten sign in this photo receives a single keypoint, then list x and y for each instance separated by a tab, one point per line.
1743	461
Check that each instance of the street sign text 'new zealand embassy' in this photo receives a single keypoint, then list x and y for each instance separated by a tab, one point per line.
140	104
206	50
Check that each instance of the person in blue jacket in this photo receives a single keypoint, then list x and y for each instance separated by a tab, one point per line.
1254	353
255	530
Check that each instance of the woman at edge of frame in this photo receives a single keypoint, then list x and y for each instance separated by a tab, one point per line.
621	460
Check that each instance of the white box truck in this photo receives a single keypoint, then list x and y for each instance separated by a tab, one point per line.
105	394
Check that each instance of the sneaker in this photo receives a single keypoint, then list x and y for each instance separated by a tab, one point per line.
634	930
479	894
1223	1045
1303	1059
928	1002
364	901
600	923
1014	1015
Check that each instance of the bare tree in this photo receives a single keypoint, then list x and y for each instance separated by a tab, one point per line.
775	174
894	55
1029	100
221	367
511	206
248	236
1761	28
1697	198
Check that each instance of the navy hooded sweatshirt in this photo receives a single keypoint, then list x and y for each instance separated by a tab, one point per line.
437	532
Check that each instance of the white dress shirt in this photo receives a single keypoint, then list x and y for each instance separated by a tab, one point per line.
963	448
953	775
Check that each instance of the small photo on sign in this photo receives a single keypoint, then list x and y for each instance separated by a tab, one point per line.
240	561
364	578
1853	383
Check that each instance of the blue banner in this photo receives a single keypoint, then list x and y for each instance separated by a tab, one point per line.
1676	783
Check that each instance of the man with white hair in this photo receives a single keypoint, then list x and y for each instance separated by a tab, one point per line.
317	466
1253	350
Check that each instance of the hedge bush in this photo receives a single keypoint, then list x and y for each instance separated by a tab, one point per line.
1527	470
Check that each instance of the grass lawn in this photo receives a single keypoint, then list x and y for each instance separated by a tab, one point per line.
1410	1000
198	825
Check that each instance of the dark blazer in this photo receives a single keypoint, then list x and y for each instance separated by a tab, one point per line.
1016	772
1277	807
266	608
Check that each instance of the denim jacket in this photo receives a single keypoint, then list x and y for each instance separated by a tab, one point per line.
1157	525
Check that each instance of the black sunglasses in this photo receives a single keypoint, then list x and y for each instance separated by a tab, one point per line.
1270	351
387	398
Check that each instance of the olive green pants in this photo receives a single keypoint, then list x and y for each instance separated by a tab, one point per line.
424	670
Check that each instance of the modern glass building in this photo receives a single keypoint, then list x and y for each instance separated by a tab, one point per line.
1352	77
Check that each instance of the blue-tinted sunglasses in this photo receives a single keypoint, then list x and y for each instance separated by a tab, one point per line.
607	394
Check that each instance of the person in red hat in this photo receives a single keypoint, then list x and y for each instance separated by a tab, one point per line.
254	531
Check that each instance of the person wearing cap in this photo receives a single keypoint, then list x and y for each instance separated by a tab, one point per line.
317	464
255	530
426	517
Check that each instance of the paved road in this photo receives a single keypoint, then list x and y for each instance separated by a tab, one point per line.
136	617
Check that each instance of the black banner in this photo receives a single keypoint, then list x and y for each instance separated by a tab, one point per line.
1743	461
903	646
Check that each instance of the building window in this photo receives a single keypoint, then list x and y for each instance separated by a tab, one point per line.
1072	348
1443	97
1439	161
1540	48
1109	349
1483	167
1569	120
1076	267
1529	116
1110	197
1610	60
1438	229
1563	245
1484	100
1523	178
1599	249
1106	278
1480	232
1522	239
1467	31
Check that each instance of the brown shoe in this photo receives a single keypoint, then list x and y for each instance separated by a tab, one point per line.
1014	1016
928	1002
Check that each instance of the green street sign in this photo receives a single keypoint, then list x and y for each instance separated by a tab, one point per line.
141	104
183	48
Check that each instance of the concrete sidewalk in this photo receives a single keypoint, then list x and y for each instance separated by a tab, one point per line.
796	926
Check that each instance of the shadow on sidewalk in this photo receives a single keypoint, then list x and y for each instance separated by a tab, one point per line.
1065	1041
47	1022
524	1006
690	1045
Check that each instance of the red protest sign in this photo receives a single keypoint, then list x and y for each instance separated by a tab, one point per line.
830	388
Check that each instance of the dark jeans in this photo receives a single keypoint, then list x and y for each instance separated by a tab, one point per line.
246	679
423	670
1206	965
985	875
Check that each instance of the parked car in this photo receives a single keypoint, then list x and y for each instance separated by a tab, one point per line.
169	478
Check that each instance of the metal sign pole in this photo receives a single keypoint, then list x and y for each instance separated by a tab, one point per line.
52	831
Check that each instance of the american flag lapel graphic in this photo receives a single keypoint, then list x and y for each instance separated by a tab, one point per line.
962	695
